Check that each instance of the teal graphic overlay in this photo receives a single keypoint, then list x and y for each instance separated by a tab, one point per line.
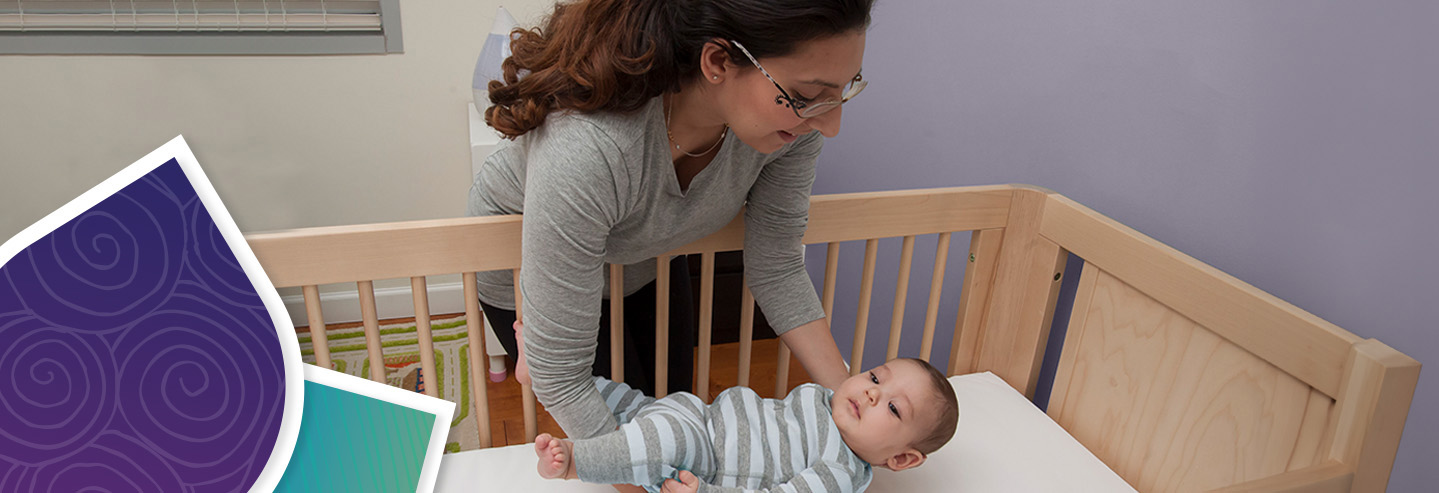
350	442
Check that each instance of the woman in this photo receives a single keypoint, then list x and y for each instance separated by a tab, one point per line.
639	126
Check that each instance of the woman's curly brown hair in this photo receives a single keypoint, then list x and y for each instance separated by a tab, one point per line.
615	55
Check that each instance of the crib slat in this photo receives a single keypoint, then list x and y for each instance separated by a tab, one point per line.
901	294
831	274
617	323
746	332
420	293
936	283
707	286
527	394
372	330
861	322
781	374
319	339
662	326
474	332
973	297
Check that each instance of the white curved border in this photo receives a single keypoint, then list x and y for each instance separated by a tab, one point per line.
289	344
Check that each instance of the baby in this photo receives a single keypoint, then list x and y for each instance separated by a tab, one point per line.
815	439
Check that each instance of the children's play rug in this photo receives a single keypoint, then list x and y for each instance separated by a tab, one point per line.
402	366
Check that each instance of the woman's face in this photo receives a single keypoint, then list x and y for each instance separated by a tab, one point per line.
820	70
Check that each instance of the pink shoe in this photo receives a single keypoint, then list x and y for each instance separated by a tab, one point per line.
497	369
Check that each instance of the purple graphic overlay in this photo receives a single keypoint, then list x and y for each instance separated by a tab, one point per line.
134	353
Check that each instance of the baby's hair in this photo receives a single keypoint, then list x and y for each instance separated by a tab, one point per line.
948	418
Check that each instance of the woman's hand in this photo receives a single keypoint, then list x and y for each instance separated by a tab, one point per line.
687	483
815	348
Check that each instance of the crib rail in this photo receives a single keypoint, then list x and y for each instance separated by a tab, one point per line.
344	254
1357	391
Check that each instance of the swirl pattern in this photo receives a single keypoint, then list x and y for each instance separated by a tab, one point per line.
134	353
107	267
189	377
222	272
57	387
112	463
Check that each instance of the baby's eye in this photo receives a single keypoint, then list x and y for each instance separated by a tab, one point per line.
872	378
894	410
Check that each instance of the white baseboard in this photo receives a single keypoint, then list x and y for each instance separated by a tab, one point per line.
393	302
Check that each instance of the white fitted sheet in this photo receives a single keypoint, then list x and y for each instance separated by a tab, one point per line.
1003	444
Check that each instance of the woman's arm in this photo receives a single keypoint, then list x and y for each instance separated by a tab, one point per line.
570	206
776	216
814	347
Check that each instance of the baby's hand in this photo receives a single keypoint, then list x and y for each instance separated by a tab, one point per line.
688	483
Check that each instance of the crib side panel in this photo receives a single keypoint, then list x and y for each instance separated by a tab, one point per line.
1296	341
1329	477
1359	390
1172	406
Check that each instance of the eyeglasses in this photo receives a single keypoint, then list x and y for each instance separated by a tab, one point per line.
801	108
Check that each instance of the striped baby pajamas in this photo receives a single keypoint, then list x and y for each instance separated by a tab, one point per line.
740	442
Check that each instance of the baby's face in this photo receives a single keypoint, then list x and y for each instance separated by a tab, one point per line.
882	412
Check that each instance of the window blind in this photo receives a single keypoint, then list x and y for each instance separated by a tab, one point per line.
119	16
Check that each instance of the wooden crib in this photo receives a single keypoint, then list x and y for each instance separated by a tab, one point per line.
1177	376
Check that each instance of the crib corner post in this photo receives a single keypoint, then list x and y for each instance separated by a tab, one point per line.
1372	407
1021	306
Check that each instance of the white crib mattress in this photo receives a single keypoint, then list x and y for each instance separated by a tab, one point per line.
1003	444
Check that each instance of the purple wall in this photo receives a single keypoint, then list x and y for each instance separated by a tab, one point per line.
1291	143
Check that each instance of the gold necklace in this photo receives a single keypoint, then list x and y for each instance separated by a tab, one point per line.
670	111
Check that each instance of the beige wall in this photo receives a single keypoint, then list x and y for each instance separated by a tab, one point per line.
288	141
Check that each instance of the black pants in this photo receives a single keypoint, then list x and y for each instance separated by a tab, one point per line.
639	334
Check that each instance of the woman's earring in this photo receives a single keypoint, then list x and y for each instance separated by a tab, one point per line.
715	77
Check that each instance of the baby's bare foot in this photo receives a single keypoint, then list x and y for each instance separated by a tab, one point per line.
554	455
522	370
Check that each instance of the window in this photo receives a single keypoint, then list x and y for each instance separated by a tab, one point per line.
199	27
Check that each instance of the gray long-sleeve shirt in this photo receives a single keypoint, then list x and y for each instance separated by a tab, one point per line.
601	188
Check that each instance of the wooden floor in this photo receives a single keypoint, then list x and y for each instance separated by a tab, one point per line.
507	422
